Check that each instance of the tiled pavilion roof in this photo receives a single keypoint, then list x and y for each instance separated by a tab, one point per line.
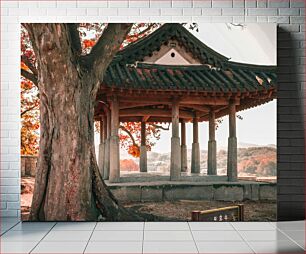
212	82
191	78
216	73
153	42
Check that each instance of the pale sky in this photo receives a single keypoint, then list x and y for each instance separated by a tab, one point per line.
254	44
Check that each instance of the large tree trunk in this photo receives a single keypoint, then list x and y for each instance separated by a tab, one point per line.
68	183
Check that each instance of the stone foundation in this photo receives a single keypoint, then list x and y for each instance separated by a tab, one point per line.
170	191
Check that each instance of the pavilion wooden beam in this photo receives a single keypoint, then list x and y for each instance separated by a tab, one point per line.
153	112
195	152
175	165
232	145
183	147
101	145
159	99
104	123
114	174
201	108
143	149
145	118
212	146
136	104
152	119
107	126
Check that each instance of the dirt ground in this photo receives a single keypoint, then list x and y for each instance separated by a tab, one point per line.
181	210
172	211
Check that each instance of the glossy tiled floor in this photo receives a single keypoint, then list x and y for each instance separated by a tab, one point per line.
152	237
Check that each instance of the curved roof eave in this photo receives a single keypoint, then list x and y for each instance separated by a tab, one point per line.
166	31
239	65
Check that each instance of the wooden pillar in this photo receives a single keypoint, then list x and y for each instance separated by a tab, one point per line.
195	152
212	146
107	127
232	145
101	145
114	173
143	149
183	147
175	166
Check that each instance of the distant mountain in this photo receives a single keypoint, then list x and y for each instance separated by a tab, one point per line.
253	160
247	145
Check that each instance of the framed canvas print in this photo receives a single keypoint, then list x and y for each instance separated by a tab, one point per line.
148	122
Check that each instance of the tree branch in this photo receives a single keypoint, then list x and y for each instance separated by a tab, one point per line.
161	127
27	110
105	49
28	63
143	32
29	76
129	133
75	38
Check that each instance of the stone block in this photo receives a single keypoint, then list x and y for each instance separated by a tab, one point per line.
268	192
188	193
152	194
228	193
247	192
255	192
127	193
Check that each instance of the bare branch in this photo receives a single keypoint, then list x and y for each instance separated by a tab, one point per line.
143	32
28	109
129	133
29	76
161	127
75	38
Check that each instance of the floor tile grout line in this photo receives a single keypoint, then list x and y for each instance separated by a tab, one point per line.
90	237
42	238
290	238
195	243
231	223
272	224
143	232
244	240
10	228
248	229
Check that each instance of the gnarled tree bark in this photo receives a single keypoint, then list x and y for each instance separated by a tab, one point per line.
68	185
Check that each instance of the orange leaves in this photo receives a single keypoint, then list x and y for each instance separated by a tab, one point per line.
24	67
260	161
29	112
130	137
29	136
134	151
89	43
128	165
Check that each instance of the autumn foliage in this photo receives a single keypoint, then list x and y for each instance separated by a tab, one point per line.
29	101
89	34
128	165
257	160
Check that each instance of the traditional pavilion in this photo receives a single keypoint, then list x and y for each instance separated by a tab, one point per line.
171	76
